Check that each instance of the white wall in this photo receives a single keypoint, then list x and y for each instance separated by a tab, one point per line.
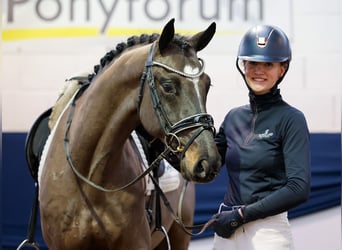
33	70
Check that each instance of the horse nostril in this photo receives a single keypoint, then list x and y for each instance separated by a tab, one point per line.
201	169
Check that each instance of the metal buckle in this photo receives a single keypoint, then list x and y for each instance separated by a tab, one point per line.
227	208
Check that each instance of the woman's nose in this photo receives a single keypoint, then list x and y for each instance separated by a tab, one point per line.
258	68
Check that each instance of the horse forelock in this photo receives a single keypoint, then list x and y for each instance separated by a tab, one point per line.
181	41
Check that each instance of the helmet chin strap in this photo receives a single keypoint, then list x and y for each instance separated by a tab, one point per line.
242	74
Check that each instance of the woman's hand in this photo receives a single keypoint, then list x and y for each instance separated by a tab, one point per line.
227	222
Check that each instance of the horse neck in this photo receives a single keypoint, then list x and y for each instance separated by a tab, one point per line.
107	113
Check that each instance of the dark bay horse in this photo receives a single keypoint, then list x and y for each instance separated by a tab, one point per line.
86	194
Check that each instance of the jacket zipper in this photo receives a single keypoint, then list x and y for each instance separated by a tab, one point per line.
251	133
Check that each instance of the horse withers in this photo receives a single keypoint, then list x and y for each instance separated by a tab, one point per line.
87	196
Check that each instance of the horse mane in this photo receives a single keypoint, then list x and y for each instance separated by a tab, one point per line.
72	85
119	49
131	42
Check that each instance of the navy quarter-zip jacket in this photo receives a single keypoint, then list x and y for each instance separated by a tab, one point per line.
265	147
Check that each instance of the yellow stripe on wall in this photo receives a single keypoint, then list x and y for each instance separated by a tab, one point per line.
42	33
21	34
130	32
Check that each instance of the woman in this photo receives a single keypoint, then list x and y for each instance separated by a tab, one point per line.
265	147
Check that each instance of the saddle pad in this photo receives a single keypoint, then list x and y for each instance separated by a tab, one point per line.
169	181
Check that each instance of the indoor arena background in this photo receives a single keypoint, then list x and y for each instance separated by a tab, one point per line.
45	42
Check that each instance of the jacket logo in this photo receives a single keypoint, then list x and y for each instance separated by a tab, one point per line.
264	135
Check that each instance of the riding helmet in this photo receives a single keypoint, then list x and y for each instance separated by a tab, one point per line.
264	43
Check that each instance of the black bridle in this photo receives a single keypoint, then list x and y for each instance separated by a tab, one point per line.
201	121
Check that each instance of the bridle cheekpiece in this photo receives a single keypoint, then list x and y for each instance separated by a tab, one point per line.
201	121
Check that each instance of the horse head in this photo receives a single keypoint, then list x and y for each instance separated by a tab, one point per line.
174	76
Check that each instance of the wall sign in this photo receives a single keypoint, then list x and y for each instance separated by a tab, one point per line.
24	19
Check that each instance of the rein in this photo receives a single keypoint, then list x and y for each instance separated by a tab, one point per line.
153	165
178	218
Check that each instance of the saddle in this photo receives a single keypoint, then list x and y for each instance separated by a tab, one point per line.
35	142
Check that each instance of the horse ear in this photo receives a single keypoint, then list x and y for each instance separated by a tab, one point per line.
200	40
166	35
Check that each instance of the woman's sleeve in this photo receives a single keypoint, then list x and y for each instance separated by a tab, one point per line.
296	153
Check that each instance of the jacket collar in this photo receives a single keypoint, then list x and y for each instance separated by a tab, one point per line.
261	102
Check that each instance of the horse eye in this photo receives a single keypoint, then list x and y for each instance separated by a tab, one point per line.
168	86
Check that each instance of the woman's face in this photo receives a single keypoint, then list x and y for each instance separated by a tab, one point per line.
262	76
